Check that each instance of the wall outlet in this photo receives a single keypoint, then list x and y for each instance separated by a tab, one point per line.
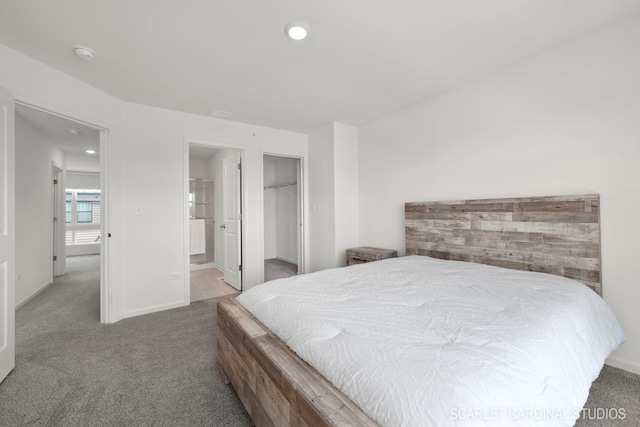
19	276
174	275
137	210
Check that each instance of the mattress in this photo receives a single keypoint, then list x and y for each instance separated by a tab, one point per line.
417	341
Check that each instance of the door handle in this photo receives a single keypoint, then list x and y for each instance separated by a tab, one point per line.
223	226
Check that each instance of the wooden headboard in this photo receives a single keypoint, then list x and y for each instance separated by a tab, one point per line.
557	235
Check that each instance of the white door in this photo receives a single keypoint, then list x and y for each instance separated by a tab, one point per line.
7	236
300	223
231	207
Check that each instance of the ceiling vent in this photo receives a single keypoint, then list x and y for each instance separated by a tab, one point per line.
221	114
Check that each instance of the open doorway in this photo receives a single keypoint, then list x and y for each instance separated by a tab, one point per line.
214	231
58	202
282	217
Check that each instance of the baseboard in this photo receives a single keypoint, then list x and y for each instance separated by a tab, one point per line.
153	309
81	253
33	294
194	267
624	364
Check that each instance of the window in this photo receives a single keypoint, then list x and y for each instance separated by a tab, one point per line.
84	212
82	216
69	198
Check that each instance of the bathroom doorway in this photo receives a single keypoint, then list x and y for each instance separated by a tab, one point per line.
214	226
282	217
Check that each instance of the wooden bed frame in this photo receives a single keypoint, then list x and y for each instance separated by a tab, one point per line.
558	235
275	386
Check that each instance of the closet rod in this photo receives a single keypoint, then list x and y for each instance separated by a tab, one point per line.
284	184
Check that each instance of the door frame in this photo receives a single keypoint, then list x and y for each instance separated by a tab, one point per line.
224	146
7	234
302	227
108	298
57	213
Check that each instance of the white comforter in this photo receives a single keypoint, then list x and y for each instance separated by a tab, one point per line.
417	341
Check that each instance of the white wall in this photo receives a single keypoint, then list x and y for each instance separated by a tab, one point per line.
199	169
146	160
347	199
34	226
563	122
334	201
151	159
82	180
270	228
83	163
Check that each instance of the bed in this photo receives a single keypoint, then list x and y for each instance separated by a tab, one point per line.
525	254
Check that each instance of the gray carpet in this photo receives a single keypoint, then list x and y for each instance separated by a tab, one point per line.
161	369
278	269
614	400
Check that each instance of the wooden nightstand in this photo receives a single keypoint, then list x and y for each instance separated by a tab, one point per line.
367	254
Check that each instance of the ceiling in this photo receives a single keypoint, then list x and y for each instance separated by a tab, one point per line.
201	152
363	59
56	129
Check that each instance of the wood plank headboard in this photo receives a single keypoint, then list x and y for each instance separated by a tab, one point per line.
557	235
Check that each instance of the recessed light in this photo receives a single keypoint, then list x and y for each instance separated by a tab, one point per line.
297	30
84	52
90	151
74	131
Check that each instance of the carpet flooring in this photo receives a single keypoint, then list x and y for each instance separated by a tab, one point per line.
161	369
278	269
154	370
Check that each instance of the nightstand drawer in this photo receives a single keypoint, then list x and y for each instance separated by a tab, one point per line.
368	254
351	260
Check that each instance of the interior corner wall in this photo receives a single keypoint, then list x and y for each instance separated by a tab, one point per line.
322	228
34	226
346	190
563	122
333	153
